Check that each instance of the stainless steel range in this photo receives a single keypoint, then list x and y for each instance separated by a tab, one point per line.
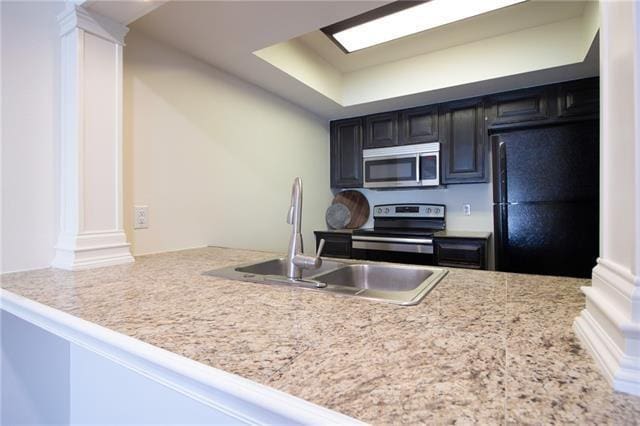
401	233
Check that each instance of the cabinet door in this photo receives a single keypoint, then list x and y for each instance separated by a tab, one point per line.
578	98
381	130
464	146
519	106
346	153
419	125
462	253
336	244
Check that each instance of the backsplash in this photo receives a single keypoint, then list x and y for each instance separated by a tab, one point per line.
479	196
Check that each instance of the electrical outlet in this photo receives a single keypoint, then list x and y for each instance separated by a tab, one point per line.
466	208
141	217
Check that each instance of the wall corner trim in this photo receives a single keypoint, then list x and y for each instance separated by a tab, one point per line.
606	327
92	250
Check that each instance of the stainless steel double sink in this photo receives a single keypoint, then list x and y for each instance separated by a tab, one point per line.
384	282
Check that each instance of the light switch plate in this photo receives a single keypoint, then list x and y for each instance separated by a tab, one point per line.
141	217
466	209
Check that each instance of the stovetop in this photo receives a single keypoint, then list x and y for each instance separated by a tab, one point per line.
417	220
386	232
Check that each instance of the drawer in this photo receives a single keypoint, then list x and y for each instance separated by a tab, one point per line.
336	244
462	253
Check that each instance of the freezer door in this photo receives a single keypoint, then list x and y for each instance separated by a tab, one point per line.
554	163
547	238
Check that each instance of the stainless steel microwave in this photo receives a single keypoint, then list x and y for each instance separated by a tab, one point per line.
402	166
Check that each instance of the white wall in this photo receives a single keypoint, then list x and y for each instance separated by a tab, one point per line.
214	157
30	46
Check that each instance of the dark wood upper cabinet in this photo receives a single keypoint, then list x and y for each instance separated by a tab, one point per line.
519	106
578	98
464	146
346	153
461	127
381	130
419	125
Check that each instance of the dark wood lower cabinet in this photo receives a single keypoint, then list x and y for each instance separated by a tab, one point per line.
336	244
461	253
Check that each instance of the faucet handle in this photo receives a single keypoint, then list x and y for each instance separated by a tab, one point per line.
320	248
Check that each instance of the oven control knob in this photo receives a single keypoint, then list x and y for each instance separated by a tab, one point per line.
386	210
437	210
379	210
429	210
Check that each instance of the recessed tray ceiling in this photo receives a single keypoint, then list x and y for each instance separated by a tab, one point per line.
277	45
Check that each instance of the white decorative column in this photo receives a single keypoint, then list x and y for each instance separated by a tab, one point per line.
91	228
609	326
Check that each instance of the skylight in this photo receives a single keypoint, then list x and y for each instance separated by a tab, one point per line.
406	18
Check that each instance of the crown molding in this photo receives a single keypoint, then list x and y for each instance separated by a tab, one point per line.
76	16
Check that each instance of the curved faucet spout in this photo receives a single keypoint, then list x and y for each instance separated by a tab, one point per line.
296	261
295	210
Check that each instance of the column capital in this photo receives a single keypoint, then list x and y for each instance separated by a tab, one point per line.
75	16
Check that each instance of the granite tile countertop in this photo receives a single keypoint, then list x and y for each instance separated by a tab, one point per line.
483	346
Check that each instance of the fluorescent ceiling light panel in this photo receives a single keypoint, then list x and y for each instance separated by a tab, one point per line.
431	14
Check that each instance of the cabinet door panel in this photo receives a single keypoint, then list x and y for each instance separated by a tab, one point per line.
520	106
381	130
346	153
578	98
464	158
419	125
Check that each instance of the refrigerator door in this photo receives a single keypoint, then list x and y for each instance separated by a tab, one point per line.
546	199
547	238
555	163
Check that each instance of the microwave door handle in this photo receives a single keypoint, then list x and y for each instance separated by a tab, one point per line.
418	169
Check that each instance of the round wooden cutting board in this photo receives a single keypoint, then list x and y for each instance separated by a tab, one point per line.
357	204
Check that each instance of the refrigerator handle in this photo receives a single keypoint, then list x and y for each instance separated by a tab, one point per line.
500	172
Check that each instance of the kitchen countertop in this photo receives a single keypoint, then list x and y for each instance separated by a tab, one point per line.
337	231
483	346
439	234
463	234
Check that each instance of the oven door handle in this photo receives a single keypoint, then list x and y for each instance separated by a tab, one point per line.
393	240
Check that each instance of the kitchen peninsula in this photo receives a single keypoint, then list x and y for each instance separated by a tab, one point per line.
483	346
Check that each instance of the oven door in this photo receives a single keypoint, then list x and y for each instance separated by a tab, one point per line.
391	171
430	169
417	251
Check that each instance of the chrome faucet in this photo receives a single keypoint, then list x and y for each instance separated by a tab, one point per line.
296	261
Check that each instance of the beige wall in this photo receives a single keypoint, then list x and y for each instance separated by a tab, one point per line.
214	157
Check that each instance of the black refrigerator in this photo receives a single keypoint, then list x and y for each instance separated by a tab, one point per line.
546	199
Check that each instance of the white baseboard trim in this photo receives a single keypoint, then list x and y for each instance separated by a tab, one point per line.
92	250
606	329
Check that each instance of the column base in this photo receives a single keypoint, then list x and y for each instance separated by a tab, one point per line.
607	329
92	250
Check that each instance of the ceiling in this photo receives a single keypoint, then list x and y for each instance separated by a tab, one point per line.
520	16
231	34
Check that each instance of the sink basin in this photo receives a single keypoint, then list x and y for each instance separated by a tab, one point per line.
377	277
391	283
279	267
